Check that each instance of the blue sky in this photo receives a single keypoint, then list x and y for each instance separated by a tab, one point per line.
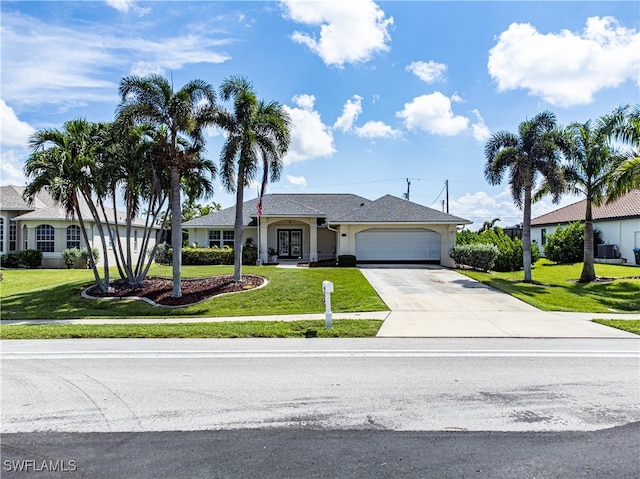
378	91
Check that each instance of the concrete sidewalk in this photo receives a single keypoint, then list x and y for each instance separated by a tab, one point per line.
432	301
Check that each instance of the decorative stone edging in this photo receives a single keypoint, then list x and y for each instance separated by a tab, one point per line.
86	295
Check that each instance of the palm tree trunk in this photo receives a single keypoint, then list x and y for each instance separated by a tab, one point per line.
588	268
526	233
92	261
238	229
176	232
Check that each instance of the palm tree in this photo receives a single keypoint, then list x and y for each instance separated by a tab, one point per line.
184	114
257	136
487	225
625	122
61	162
592	159
533	152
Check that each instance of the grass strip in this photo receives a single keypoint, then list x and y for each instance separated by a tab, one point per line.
555	287
343	328
630	325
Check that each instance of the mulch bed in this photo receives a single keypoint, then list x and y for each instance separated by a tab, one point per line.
193	290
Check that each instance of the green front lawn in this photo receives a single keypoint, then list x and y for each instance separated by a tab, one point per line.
555	288
630	325
342	328
55	294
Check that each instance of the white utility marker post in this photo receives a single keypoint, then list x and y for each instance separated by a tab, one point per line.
327	289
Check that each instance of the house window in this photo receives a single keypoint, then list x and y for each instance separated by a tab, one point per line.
135	240
73	236
227	238
25	237
45	238
1	234
13	235
543	234
221	238
214	238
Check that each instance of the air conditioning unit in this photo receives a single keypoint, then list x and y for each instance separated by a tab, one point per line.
607	251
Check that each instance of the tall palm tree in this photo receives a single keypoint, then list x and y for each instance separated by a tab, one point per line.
61	162
534	152
625	122
592	159
258	136
184	113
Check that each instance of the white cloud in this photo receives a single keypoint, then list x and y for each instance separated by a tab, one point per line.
429	72
125	6
13	131
352	108
14	136
376	129
310	137
11	167
432	113
566	68
350	31
49	64
297	180
480	131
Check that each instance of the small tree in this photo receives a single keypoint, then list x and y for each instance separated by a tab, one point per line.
566	245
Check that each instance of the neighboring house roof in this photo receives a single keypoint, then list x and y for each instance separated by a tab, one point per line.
626	207
45	209
334	208
11	199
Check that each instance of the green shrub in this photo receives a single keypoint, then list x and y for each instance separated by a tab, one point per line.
346	261
207	256
480	256
509	250
31	258
84	255
566	245
163	254
10	260
70	256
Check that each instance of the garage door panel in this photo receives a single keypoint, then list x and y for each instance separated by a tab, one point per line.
398	245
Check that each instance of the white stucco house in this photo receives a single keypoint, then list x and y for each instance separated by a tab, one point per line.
315	227
44	226
619	223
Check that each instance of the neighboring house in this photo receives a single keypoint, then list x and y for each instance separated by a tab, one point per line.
315	227
44	226
619	223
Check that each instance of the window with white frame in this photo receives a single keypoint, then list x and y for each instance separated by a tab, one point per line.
45	238
135	240
214	238
73	236
13	235
1	234
25	236
227	238
221	238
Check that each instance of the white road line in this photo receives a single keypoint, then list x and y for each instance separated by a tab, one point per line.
318	353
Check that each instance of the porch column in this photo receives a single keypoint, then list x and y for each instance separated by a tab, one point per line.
313	241
264	254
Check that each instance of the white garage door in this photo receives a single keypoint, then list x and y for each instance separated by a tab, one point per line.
397	245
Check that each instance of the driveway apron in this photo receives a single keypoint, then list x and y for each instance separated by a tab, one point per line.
433	301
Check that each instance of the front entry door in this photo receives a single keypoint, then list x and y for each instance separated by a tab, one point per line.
290	244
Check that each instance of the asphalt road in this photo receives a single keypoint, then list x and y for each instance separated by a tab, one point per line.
322	408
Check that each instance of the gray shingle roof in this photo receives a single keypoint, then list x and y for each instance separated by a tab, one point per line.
11	199
626	207
390	209
44	207
335	208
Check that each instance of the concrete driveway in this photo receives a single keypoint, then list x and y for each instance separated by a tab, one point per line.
432	301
